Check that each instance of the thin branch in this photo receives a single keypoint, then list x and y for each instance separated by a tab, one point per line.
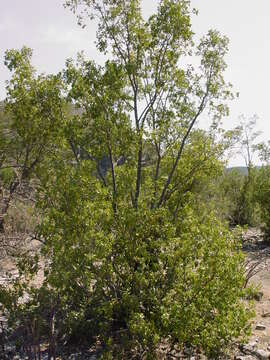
168	182
113	175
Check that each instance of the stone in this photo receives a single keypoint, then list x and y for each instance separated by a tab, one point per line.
258	296
252	353
248	349
262	354
74	356
260	327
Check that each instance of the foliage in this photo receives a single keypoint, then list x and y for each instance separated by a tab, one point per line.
129	257
248	211
32	114
135	283
263	186
262	197
222	193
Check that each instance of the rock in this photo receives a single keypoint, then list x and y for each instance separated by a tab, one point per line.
262	354
80	356
252	352
260	327
74	356
258	296
248	349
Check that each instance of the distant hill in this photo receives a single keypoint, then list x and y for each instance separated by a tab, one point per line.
241	169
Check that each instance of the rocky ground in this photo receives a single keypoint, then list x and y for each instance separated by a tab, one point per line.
257	270
258	262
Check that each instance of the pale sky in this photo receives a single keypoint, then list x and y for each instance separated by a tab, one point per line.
51	31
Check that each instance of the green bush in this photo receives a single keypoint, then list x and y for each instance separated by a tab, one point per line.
233	196
154	280
262	194
141	276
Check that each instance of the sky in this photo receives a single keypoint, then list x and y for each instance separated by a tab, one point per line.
52	32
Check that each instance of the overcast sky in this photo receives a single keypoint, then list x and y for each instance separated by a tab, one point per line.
51	31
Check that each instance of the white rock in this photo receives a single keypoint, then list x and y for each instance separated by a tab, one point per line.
262	354
248	349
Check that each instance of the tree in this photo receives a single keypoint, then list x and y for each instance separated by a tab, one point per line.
247	137
132	261
161	100
31	117
248	213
